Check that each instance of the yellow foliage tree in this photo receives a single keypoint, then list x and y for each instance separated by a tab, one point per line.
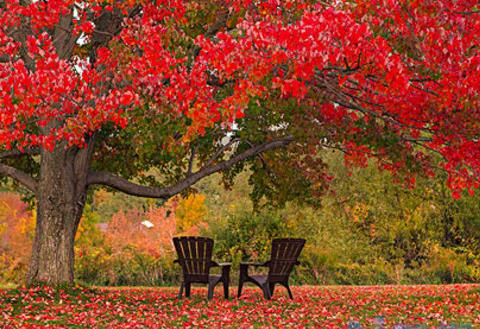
190	212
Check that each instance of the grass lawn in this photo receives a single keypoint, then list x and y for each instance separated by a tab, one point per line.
447	306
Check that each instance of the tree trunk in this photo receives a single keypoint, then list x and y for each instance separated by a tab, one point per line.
60	201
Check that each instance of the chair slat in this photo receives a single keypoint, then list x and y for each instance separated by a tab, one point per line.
186	250
284	256
201	256
208	251
194	254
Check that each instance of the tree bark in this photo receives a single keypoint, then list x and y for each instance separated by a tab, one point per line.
61	197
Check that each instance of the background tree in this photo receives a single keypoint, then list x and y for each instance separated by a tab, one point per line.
103	93
16	235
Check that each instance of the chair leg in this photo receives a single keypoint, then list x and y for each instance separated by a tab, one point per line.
226	280
271	287
240	286
180	293
211	287
289	291
266	291
242	278
187	289
225	288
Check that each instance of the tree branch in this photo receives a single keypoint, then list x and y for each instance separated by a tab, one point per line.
4	58
471	12
190	161
123	185
17	153
220	22
348	101
219	152
108	25
19	176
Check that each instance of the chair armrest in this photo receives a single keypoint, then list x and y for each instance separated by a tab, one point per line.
224	264
226	267
255	264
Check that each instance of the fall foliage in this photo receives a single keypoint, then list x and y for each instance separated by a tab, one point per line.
128	228
124	235
17	225
320	307
103	93
406	67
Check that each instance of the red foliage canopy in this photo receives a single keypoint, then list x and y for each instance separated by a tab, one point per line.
409	69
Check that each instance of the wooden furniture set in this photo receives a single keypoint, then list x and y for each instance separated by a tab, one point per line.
195	259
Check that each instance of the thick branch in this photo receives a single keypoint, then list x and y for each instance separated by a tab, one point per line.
63	38
83	160
123	185
108	25
16	153
19	176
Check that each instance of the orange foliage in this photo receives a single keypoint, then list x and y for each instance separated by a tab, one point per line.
152	231
146	232
17	225
126	229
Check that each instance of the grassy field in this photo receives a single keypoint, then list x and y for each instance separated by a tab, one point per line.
447	306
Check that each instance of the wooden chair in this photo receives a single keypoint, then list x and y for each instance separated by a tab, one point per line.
195	258
283	258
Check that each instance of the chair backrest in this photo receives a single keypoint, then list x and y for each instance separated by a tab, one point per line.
284	257
194	256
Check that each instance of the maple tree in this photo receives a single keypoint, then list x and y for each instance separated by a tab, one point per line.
98	93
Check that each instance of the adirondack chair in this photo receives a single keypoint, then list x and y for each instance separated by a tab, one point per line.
195	258
283	258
